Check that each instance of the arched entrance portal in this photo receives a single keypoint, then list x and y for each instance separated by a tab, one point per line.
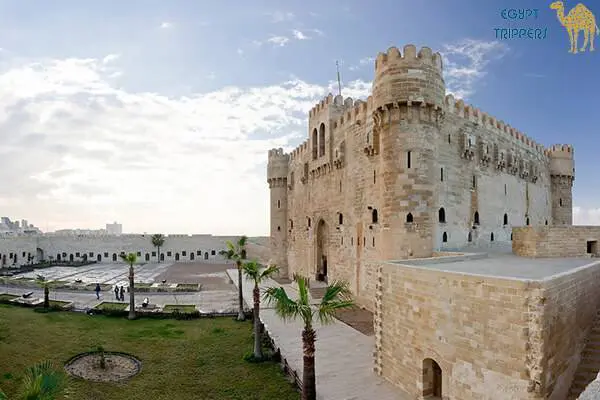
114	256
71	257
432	379
99	257
147	256
162	256
176	256
322	250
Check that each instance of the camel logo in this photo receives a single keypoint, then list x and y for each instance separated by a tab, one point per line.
580	18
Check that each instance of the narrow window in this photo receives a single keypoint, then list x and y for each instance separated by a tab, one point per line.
449	139
442	174
505	219
341	219
511	236
445	238
373	241
291	224
408	159
278	230
352	241
492	237
560	202
374	177
409	218
442	215
278	203
546	222
470	237
364	241
505	189
527	221
374	216
342	240
476	218
474	183
309	222
322	140
315	144
340	186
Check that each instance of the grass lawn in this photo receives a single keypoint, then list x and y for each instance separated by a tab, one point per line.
198	359
184	308
58	303
6	296
107	305
192	287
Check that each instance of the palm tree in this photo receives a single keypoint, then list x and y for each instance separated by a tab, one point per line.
255	273
130	259
44	284
158	240
42	382
237	252
337	296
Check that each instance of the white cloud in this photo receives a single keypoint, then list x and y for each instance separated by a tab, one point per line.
367	61
281	16
279	41
166	25
240	52
590	216
299	35
83	151
465	63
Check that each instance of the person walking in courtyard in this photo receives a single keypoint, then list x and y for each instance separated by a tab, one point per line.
122	293
117	292
97	290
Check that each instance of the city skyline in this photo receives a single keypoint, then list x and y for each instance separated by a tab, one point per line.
160	116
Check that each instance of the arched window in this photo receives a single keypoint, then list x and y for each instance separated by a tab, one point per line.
560	202
546	222
278	203
315	144
278	230
527	221
476	218
309	222
445	237
470	237
511	236
374	217
492	237
341	219
442	215
505	219
291	225
409	218
322	140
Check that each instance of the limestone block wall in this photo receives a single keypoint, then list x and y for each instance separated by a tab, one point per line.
15	250
476	328
182	248
556	241
571	302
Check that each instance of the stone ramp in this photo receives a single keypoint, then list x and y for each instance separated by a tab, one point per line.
344	356
589	366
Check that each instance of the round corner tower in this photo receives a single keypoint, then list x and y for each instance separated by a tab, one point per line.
408	107
562	175
277	172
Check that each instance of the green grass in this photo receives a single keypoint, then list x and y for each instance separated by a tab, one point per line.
192	287
184	308
142	285
58	303
6	296
107	305
199	359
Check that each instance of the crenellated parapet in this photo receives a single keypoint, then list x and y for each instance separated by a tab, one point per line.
277	168
562	162
480	118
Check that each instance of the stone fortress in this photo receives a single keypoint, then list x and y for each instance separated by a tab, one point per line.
441	189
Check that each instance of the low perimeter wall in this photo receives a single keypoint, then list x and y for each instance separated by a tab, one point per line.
556	241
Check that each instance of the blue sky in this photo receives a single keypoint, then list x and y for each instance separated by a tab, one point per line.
139	111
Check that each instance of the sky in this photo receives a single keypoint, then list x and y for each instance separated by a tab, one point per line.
159	115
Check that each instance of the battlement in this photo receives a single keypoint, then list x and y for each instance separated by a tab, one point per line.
561	160
394	56
278	165
561	148
277	153
473	114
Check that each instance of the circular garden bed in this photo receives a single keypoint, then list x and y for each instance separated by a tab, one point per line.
117	366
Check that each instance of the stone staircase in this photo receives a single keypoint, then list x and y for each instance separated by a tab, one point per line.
589	366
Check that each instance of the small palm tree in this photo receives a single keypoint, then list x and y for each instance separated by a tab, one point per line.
237	252
42	382
337	296
130	259
44	284
158	240
255	273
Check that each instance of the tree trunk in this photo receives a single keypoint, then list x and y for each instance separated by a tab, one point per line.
131	294
158	254
256	316
309	386
46	297
241	316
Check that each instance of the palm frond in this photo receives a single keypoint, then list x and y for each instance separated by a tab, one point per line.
252	270
285	307
303	292
42	382
337	290
337	296
269	271
3	396
242	241
130	258
327	312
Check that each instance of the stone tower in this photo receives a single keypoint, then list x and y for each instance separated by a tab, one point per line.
562	175
408	101
277	173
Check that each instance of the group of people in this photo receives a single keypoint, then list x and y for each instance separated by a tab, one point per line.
119	292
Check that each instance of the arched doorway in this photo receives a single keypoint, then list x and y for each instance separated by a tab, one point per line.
39	254
99	257
115	257
71	257
322	253
432	379
162	256
206	255
147	256
58	257
176	256
192	255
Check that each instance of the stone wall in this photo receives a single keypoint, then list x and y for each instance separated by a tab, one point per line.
556	241
475	328
571	303
182	248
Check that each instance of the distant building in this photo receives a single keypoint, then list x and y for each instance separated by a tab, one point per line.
8	227
114	229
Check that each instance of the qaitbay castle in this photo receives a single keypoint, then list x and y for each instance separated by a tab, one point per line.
453	228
